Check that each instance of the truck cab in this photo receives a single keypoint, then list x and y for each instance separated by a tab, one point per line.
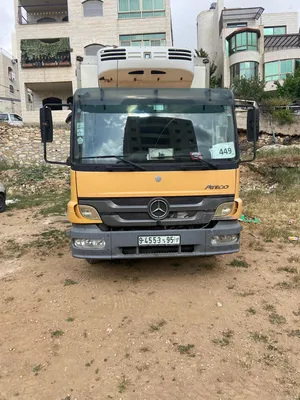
154	157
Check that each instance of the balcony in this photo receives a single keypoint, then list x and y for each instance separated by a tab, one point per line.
42	11
41	53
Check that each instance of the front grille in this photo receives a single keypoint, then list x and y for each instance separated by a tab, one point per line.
130	213
158	250
157	227
144	201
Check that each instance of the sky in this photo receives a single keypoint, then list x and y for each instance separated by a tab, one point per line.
184	15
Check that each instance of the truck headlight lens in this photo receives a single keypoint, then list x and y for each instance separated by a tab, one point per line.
88	212
224	239
92	244
224	209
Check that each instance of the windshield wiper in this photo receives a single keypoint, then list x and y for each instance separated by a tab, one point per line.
118	158
201	160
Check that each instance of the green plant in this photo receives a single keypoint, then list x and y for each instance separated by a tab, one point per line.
291	86
57	333
289	270
249	89
215	81
225	340
36	368
35	48
157	325
69	282
144	349
277	319
258	337
269	307
239	263
123	384
186	349
284	116
251	311
294	333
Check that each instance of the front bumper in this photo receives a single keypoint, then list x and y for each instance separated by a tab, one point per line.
124	244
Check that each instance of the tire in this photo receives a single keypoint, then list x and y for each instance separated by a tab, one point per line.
2	202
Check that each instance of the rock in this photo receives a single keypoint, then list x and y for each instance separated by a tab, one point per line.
219	304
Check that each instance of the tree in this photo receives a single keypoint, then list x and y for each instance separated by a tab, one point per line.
290	87
215	82
202	53
249	89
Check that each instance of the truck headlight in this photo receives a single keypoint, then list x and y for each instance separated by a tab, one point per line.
86	244
88	212
224	209
224	239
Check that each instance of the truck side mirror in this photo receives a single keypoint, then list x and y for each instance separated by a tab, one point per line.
46	125
252	125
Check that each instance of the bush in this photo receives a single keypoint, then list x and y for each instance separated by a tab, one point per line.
291	86
284	116
249	89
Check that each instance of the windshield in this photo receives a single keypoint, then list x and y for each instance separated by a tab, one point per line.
149	131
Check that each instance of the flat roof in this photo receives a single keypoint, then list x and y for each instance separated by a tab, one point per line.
286	41
242	13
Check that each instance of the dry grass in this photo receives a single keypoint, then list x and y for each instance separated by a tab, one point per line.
274	207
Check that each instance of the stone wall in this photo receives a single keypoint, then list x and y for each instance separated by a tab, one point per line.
268	126
23	145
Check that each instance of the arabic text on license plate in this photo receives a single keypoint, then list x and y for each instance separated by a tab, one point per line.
158	240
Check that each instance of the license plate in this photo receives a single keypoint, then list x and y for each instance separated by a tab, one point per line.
159	240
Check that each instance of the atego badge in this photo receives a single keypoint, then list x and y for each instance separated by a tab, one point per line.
217	187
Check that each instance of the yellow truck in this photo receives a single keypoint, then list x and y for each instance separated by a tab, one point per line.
154	157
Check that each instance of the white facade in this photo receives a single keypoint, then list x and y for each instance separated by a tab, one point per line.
85	27
9	84
247	42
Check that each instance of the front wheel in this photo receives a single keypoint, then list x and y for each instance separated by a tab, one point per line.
2	202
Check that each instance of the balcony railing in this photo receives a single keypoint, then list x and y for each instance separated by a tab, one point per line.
43	14
40	53
61	60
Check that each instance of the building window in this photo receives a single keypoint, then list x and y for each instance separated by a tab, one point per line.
278	70
10	74
243	41
275	30
246	70
141	8
237	25
11	89
92	49
147	39
93	8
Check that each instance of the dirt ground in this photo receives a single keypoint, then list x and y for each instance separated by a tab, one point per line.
219	328
225	327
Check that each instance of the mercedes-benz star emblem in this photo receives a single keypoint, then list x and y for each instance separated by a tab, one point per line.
158	209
